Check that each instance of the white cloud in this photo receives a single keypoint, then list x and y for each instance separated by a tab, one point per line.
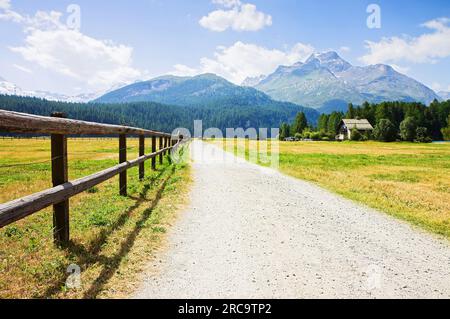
183	70
5	4
52	45
7	14
22	68
238	16
438	87
242	60
228	3
401	69
426	48
344	49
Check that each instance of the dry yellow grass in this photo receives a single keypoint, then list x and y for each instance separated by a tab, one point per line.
407	180
112	237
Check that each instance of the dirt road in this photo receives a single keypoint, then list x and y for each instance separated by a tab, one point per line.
251	232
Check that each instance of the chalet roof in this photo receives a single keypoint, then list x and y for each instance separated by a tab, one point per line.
362	125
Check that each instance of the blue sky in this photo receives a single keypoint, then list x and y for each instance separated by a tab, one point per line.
122	41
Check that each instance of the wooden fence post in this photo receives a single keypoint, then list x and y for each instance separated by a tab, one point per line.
165	145
141	153
123	159
60	176
161	156
153	151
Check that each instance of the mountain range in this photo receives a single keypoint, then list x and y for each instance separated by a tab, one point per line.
327	82
206	90
323	83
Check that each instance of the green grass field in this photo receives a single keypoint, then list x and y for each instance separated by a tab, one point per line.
407	180
112	237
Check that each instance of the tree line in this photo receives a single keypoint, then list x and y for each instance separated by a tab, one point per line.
392	121
407	121
161	117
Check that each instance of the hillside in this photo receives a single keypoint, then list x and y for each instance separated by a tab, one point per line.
207	90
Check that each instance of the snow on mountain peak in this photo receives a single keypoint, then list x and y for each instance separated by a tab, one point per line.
327	78
8	88
330	60
253	81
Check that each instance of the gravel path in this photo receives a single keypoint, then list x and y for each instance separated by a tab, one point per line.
251	232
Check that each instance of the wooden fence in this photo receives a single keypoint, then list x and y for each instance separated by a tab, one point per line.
59	128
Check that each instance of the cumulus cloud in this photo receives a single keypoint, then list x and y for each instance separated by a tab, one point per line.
52	45
426	48
183	70
242	60
237	16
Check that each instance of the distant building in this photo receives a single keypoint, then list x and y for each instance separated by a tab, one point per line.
348	125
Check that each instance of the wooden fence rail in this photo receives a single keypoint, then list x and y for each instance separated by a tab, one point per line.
58	196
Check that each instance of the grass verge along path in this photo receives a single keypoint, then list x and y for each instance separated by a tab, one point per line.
112	237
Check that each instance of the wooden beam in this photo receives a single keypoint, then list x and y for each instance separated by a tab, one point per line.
60	176
18	209
153	151
14	122
141	153
165	145
161	156
123	159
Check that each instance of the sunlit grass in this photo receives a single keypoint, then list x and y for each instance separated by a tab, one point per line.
112	237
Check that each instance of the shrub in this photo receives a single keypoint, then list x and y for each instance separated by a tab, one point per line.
408	129
422	135
367	136
306	134
315	136
446	133
356	135
446	130
385	131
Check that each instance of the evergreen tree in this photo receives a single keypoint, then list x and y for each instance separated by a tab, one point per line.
285	131
322	124
351	113
381	113
300	124
333	122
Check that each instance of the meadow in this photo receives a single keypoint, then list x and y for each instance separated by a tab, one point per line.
407	180
112	237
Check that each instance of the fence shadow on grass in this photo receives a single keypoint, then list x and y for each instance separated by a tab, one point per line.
90	256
